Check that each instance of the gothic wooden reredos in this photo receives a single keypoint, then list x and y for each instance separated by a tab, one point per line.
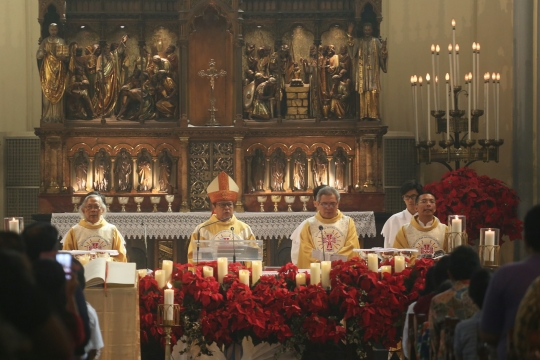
138	126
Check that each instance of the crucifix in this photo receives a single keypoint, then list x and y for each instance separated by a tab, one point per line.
212	74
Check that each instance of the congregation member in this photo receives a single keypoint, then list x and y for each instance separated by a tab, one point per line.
454	302
508	286
93	232
466	333
223	224
409	192
527	326
424	232
295	236
329	229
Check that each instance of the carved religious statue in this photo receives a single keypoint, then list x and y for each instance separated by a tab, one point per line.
123	170
52	55
299	169
80	163
371	55
310	77
144	166
277	163
79	103
264	100
340	163
137	102
102	170
167	101
165	168
339	97
257	170
320	167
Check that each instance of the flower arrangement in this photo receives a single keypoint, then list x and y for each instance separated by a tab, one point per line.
361	308
486	202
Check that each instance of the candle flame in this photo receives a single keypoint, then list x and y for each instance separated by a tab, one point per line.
420	80
415	79
474	46
493	76
457	47
436	79
169	285
478	47
437	48
453	23
498	76
466	78
412	79
486	76
447	77
427	77
470	75
449	47
432	48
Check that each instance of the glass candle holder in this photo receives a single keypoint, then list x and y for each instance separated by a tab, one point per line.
155	200
108	201
488	250
289	200
262	200
14	224
457	231
304	199
123	200
138	201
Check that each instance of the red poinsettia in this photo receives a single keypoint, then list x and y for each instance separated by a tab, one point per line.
486	202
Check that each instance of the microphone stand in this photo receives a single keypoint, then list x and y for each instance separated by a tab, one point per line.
322	240
233	247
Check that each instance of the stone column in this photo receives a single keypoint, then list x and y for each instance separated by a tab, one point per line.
182	173
238	174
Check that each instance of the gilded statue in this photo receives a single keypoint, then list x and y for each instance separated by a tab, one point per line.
79	105
340	164
90	68
123	170
136	98
264	100
80	163
165	168
299	169
371	56
309	66
320	167
158	64
102	170
277	164
142	61
263	64
339	97
167	99
144	166
108	81
252	62
172	58
52	55
331	68
257	170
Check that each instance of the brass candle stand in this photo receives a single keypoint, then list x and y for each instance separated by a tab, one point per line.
489	255
455	239
168	316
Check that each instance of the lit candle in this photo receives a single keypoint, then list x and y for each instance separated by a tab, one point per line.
168	302
315	273
222	268
447	77
14	225
325	273
452	73
399	263
415	107
386	269
494	81
420	81
489	240
477	71
208	271
486	101
454	43
468	82
428	110
498	107
373	262
457	64
474	80
243	276
433	74
456	225
300	279
256	271
166	266
142	272
160	278
437	50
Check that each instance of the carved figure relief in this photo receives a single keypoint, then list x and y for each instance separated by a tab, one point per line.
320	167
102	171
165	168
299	160
278	163
123	171
144	166
340	163
257	170
80	163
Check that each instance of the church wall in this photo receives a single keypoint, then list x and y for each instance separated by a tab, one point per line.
411	27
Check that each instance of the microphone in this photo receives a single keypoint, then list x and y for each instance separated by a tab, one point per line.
233	247
199	232
145	244
322	239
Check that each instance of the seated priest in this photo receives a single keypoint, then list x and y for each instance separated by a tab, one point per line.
424	233
329	231
222	225
93	232
410	190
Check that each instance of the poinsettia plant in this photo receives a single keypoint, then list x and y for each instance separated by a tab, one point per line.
486	202
361	308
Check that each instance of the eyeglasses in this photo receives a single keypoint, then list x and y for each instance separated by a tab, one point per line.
329	205
92	207
410	197
425	201
224	205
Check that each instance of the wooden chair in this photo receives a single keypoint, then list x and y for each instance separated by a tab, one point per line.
449	329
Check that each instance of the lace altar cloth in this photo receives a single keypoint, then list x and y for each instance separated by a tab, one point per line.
263	224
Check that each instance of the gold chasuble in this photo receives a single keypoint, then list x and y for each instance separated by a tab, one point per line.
339	235
427	240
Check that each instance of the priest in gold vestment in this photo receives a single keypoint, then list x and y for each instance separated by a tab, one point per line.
51	54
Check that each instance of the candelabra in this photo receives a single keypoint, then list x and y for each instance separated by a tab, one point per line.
458	124
168	316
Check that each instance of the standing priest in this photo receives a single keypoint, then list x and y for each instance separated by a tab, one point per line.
222	224
329	231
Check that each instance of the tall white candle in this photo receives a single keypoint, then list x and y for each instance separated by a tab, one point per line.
413	86
428	110
474	80
447	108
243	276
256	271
386	269
160	278
477	71
399	263
222	268
315	273
208	271
489	240
433	74
456	225
415	92
168	300
494	81
325	273
454	53
167	266
420	96
300	279
373	262
468	82
452	82
437	51
498	107
14	225
486	96
457	65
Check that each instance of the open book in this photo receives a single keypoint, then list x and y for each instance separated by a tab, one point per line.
115	274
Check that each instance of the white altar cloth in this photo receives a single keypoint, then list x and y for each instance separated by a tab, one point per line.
263	224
